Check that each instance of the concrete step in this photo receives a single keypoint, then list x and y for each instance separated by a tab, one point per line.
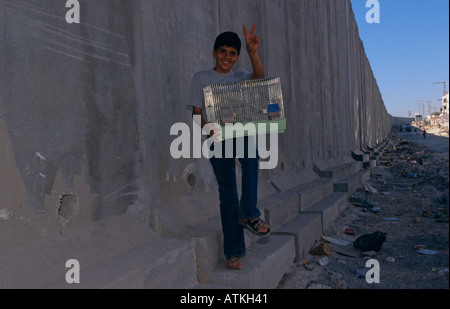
371	163
118	252
277	209
370	159
329	208
208	239
157	264
267	261
298	216
350	184
338	171
306	229
308	226
284	206
280	207
312	192
360	156
268	258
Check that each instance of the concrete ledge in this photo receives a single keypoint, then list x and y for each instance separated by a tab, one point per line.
360	156
306	229
371	163
267	261
280	207
119	251
157	264
208	238
329	208
350	184
312	192
339	171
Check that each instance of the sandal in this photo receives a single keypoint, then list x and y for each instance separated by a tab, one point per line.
234	263
254	225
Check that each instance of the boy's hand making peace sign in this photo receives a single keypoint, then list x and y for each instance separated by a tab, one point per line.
251	40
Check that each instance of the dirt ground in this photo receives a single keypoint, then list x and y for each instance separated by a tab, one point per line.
407	197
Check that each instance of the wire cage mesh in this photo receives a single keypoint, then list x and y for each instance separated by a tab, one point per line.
258	101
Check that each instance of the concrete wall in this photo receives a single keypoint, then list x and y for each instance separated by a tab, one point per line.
86	109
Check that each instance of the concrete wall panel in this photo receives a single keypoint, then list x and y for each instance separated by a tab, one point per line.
86	109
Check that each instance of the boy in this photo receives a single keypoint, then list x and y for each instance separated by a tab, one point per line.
235	214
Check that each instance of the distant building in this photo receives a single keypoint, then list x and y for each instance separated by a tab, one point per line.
418	118
435	119
445	108
444	121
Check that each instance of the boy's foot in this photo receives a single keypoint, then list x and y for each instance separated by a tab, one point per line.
234	263
256	226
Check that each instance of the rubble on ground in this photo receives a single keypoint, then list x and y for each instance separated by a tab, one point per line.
407	198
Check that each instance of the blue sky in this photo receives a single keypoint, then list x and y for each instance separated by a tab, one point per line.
408	51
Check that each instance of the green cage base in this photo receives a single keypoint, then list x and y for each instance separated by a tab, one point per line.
251	129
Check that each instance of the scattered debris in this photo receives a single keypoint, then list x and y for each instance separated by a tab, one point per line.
307	266
318	286
335	240
322	249
361	272
350	231
390	219
369	253
427	213
419	247
323	261
370	242
439	270
370	189
426	251
390	259
348	250
407	198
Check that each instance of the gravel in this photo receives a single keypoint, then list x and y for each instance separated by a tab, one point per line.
407	197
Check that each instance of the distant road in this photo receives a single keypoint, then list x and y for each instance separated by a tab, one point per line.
434	142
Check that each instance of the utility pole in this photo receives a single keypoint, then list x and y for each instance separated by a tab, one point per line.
445	91
419	103
445	88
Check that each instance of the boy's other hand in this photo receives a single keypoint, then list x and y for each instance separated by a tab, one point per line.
214	131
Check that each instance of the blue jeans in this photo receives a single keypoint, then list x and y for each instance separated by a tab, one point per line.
231	208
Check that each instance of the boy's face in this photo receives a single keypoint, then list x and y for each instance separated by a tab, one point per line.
225	57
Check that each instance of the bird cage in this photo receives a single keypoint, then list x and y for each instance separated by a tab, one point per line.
233	106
